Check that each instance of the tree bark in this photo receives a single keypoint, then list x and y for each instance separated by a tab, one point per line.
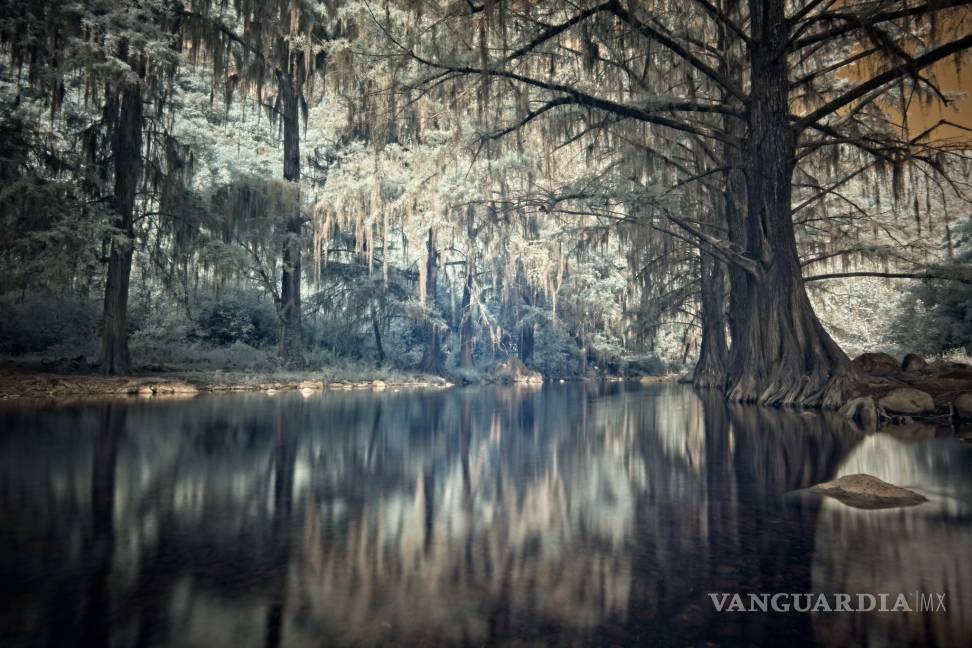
432	360
710	370
289	309
781	354
127	152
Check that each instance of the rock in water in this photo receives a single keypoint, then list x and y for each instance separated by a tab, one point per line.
907	400
876	364
914	363
963	406
868	492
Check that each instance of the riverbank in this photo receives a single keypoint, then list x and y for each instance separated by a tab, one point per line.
26	385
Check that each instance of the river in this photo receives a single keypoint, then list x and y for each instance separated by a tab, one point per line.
578	514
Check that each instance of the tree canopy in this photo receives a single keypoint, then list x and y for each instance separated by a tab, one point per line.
584	187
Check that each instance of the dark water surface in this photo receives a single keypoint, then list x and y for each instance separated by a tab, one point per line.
571	515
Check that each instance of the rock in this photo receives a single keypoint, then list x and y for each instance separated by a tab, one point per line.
868	492
313	385
962	406
956	371
907	400
862	410
914	362
876	364
145	390
174	387
378	384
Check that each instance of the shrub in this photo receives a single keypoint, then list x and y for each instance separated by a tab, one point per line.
237	317
42	323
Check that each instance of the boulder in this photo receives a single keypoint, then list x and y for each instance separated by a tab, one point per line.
908	401
313	385
914	362
876	364
962	406
863	411
955	371
868	492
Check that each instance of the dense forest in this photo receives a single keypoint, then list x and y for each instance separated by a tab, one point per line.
747	191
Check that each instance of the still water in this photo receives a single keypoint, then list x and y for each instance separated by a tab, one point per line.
568	515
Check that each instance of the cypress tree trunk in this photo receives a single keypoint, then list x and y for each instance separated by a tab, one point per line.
432	360
713	362
127	151
781	354
289	310
710	370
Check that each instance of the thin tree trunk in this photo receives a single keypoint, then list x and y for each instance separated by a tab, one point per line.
376	328
289	309
467	340
781	354
582	345
127	151
432	360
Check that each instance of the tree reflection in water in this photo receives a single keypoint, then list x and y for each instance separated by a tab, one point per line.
577	513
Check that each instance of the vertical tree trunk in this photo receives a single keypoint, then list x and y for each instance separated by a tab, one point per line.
432	360
582	346
289	309
710	370
376	329
713	361
781	354
467	339
526	344
127	151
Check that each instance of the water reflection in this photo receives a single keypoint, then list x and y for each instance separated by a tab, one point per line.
901	550
571	514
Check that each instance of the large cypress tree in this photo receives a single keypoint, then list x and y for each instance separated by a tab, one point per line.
765	80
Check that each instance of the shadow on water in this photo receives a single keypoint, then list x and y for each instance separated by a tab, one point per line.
570	514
